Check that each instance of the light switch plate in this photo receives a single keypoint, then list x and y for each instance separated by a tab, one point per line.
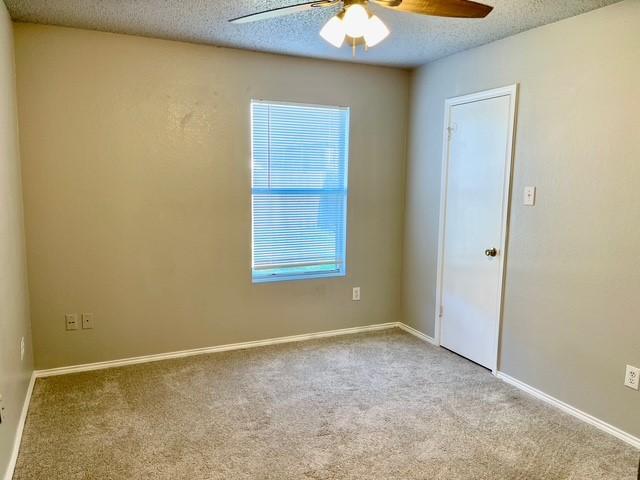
529	197
87	321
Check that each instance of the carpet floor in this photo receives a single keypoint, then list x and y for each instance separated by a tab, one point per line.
373	406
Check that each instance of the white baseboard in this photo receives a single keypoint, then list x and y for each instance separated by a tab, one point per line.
201	351
21	421
585	417
417	333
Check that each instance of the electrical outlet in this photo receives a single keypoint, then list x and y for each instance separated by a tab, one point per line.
356	294
87	321
71	321
632	377
22	349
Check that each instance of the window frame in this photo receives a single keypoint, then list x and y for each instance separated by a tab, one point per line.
342	270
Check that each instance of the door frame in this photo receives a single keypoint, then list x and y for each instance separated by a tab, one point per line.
512	92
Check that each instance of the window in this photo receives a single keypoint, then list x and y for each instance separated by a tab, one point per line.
299	190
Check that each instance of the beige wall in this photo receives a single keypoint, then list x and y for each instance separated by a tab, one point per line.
137	193
572	310
14	297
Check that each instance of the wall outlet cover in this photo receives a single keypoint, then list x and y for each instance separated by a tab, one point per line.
22	349
632	377
71	321
356	294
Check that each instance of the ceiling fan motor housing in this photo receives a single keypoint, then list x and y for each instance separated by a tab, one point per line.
390	3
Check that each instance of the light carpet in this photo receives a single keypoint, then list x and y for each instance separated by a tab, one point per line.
372	406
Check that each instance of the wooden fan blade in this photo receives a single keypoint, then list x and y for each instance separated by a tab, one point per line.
281	11
439	8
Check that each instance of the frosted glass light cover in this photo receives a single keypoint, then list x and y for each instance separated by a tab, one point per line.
356	20
376	31
334	32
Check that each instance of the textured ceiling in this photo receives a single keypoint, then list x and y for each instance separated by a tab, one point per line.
414	39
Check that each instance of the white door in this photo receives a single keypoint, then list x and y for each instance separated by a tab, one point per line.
477	172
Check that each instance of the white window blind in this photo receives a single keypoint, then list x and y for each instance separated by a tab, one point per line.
299	190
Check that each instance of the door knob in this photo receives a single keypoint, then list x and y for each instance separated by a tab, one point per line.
491	252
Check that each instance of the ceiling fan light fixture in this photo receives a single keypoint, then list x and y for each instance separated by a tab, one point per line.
356	20
334	32
376	31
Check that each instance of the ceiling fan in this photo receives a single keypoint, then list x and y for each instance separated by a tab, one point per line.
355	23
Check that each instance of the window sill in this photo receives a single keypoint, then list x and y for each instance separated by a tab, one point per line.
289	278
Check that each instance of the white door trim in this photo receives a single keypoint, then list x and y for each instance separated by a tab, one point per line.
512	92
